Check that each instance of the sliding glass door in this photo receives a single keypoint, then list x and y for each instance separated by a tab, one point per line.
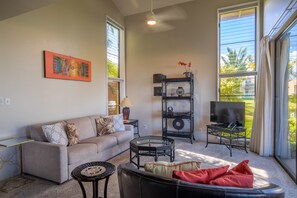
286	92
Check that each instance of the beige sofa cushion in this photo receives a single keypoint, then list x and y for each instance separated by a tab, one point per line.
93	122
80	152
103	142
123	136
84	127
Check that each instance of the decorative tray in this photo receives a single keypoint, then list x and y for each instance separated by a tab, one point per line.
93	171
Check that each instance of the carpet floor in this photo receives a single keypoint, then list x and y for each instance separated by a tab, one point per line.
264	168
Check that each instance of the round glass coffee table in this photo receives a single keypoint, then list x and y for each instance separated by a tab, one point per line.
93	172
151	146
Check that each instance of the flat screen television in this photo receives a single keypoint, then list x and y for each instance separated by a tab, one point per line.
227	112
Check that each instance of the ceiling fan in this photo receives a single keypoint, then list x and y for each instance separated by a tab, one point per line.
151	19
160	21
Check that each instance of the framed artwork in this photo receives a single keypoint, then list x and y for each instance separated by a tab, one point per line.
66	67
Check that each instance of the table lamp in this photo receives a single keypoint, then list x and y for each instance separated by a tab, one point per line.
126	104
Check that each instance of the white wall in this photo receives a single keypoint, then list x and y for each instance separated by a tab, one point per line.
70	27
193	39
273	9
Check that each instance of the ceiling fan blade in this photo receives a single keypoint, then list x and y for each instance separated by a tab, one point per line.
172	13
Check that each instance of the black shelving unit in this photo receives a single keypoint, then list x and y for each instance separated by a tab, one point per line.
182	116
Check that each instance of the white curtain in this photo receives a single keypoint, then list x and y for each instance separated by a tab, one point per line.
262	136
283	135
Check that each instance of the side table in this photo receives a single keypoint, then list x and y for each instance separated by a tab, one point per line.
18	141
93	172
134	123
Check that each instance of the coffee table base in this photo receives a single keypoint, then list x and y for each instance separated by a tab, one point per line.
153	146
151	154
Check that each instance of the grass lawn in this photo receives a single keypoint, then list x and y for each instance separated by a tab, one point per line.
249	116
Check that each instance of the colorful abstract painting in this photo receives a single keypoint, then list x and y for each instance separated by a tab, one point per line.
66	67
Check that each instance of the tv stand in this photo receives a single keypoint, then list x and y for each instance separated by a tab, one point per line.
228	136
220	125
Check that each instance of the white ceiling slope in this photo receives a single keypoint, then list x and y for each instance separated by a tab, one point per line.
130	7
11	8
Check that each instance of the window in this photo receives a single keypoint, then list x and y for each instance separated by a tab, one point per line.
115	65
237	55
286	99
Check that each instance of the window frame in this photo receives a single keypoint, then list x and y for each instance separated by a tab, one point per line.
257	28
237	74
286	27
122	67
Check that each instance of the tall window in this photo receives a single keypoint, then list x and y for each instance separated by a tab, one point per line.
286	99
115	66
237	52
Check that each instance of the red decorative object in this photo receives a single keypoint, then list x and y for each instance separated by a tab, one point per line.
239	176
186	65
126	104
202	176
66	67
126	113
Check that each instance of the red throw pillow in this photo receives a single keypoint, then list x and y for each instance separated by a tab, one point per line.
242	167
202	176
239	176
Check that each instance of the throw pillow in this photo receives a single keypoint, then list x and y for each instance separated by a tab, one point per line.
202	176
118	122
166	168
239	176
72	134
55	133
104	125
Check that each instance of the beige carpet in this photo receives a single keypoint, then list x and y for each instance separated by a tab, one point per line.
265	169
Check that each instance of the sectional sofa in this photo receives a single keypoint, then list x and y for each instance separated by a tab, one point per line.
149	185
55	162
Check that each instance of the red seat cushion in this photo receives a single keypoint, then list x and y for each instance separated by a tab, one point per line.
239	176
202	176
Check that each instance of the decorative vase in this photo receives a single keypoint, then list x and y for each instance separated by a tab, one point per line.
126	113
187	74
180	91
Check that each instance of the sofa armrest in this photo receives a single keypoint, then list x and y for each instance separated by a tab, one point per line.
129	127
46	160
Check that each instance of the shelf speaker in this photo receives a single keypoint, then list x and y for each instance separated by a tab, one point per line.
157	91
158	78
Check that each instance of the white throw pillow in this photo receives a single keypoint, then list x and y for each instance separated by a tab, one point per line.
55	133
118	122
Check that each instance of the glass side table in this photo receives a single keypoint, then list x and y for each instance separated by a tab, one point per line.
18	141
15	141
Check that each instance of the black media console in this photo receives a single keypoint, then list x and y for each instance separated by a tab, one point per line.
232	137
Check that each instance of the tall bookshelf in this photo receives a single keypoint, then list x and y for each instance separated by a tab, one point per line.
178	122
